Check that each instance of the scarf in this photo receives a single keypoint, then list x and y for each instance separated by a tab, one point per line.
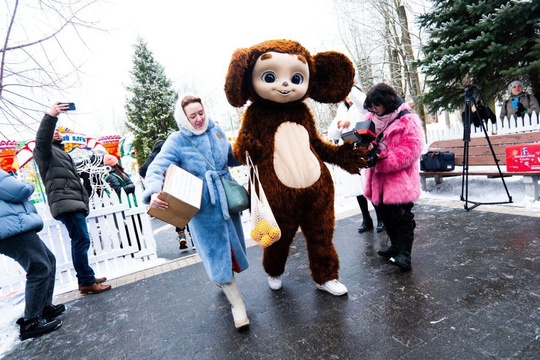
382	122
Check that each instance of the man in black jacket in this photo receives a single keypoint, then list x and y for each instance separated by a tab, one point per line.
144	167
67	197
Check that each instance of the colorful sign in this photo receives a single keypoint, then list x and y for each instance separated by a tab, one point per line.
26	153
521	158
73	140
8	149
111	143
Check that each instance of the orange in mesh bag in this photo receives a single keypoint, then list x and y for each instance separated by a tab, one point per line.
264	228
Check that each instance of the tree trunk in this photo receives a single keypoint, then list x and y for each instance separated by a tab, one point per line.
411	71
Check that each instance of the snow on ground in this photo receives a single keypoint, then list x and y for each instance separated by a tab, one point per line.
480	189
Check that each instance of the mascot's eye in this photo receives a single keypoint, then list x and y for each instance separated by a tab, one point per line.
297	79
268	77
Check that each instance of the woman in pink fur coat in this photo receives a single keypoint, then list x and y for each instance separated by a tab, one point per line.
393	183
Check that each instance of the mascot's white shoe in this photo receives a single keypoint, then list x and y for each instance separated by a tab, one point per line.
274	282
334	287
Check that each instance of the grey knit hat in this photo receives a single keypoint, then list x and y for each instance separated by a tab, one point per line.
515	82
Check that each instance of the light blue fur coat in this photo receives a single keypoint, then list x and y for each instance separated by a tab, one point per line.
216	233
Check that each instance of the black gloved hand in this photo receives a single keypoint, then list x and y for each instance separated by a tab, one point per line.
129	189
372	157
520	110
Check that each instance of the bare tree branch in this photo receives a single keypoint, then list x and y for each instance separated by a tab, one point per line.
379	38
33	69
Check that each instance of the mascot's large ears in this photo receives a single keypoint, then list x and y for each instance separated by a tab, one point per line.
236	92
333	78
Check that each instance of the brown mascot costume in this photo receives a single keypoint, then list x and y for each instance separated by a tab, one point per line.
278	131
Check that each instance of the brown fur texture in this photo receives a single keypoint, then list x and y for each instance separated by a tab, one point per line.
311	208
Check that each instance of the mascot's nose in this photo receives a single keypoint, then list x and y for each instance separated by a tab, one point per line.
285	83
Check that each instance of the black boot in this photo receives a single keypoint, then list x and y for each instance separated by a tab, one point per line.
182	243
405	237
403	261
53	311
393	249
366	225
380	224
36	327
405	241
367	222
389	251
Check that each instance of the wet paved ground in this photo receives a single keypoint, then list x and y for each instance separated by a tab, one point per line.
473	293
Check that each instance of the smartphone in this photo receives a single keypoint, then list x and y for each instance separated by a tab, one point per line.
71	106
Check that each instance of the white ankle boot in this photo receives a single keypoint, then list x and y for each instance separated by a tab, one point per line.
237	304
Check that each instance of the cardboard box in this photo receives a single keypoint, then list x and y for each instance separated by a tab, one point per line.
183	192
525	157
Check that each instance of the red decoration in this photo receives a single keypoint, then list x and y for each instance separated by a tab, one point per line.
523	157
8	148
111	143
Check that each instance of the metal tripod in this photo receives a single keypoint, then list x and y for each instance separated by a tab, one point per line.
470	104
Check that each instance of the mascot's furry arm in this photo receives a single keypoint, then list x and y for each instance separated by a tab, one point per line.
329	75
345	156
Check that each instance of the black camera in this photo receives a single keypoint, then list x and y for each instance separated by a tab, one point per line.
478	112
373	156
469	92
363	134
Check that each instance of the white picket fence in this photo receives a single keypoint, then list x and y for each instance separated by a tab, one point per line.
441	131
122	242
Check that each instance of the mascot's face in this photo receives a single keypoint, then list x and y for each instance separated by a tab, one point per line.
280	77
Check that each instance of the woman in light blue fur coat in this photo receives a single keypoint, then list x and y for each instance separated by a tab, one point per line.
218	235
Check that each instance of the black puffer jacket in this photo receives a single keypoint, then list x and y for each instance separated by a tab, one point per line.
65	191
144	167
119	180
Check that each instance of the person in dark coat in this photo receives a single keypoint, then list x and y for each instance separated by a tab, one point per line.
151	157
19	240
66	196
117	177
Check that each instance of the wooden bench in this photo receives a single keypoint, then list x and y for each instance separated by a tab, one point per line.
481	161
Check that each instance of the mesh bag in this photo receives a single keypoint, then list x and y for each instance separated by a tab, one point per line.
264	228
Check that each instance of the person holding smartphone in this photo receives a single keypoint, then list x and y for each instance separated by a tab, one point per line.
66	196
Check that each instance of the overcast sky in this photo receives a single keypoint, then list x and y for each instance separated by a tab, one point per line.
194	42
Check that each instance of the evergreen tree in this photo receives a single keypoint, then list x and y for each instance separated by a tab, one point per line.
150	107
485	42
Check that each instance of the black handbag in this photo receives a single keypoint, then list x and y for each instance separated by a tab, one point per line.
438	161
